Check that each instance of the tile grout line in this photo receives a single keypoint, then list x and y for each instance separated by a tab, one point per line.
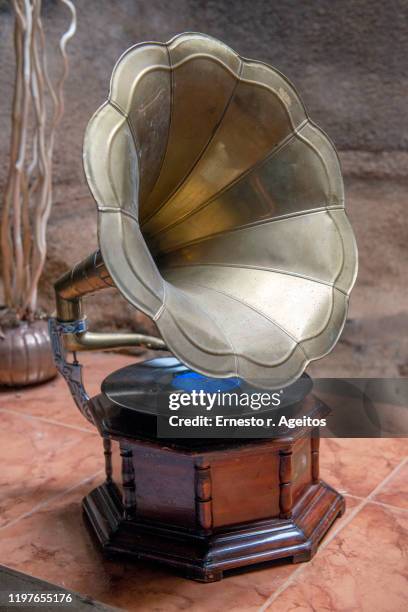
391	475
51	499
378	503
333	534
49	421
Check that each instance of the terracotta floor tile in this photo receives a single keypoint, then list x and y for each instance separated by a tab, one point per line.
53	543
364	568
395	492
39	460
356	466
53	401
142	588
353	571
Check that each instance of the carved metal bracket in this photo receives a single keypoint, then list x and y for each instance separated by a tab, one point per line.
72	372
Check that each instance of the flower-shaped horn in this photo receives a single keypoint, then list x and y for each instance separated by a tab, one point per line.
221	210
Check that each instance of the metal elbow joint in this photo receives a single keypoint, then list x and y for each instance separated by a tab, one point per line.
85	278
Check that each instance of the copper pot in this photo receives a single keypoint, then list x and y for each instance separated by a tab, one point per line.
25	355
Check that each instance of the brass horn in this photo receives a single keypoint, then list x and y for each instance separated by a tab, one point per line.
220	214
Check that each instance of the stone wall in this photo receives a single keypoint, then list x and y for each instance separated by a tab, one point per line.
347	59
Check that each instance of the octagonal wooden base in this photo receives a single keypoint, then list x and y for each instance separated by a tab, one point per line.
208	506
205	557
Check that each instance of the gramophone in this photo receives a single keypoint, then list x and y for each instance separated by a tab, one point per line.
221	217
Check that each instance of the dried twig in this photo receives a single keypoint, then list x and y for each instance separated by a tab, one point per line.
28	194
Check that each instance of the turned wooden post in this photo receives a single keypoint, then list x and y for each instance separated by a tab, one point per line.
107	451
203	499
285	483
128	482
